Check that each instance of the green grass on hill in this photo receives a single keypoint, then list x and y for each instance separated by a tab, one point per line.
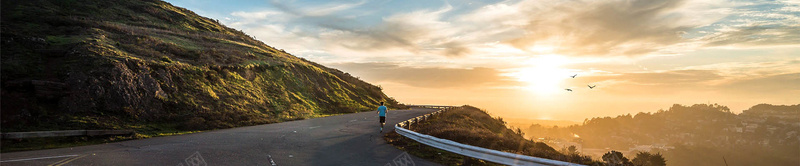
153	67
472	126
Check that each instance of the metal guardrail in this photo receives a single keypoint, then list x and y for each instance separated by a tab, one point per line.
430	106
469	150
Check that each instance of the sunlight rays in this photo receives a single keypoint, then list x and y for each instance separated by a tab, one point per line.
544	75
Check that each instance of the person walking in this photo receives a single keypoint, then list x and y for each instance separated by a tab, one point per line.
382	115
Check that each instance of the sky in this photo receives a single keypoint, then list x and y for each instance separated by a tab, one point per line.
516	59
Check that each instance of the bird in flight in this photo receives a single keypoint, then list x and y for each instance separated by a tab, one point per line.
568	89
591	87
573	76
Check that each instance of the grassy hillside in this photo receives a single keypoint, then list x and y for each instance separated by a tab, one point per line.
472	126
151	66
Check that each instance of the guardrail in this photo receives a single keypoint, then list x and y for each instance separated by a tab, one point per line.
469	150
430	106
63	133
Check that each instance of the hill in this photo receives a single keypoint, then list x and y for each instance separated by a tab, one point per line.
472	126
699	134
151	66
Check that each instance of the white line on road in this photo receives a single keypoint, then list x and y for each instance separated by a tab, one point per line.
313	127
271	162
39	158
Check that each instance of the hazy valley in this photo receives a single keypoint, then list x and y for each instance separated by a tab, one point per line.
700	134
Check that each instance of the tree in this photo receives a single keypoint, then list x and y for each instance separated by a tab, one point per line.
614	158
572	149
647	159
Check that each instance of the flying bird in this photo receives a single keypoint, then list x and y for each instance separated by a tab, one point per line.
591	87
568	89
573	76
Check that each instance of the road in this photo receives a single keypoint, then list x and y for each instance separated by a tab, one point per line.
351	139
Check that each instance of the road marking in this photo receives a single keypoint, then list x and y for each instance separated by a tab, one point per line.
59	161
313	127
39	158
271	162
65	161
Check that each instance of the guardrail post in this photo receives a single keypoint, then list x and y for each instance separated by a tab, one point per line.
411	124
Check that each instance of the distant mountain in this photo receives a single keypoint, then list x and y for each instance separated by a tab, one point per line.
146	64
690	135
785	112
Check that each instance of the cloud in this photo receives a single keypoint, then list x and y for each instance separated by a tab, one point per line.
607	28
416	31
773	23
582	28
455	49
420	31
675	77
257	15
323	15
427	77
769	85
661	82
775	80
740	70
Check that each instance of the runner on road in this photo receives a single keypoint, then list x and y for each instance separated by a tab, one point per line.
382	115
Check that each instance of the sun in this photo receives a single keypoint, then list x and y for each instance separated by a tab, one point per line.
544	74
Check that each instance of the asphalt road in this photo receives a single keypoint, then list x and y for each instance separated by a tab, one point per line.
351	139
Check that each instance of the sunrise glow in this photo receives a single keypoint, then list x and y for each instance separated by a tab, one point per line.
545	74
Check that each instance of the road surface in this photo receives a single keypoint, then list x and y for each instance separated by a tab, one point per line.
351	139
